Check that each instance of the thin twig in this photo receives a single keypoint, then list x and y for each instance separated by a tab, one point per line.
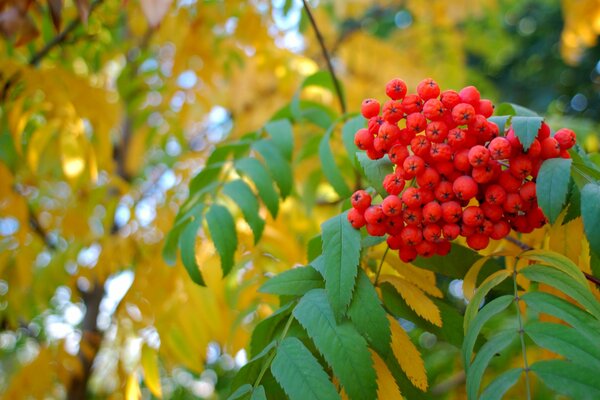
380	266
327	57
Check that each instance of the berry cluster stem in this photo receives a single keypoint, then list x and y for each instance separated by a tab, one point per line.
336	83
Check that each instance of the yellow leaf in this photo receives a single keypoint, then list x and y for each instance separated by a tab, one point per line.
567	239
408	356
470	280
386	384
132	388
72	151
151	373
415	298
422	278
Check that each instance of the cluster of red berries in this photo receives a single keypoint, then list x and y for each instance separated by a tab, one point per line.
466	178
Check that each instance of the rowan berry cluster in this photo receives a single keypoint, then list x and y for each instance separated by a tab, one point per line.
454	173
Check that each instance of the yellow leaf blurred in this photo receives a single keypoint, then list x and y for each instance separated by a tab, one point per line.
408	356
151	374
132	388
415	298
387	388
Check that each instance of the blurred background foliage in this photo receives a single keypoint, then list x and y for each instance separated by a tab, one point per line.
107	108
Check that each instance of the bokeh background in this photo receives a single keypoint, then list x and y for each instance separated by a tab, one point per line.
107	108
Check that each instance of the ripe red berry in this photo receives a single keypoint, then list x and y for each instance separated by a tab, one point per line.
416	122
440	152
521	166
493	212
495	194
528	192
363	139
457	138
450	98
463	114
361	200
433	109
356	218
413	165
451	212
509	182
370	108
426	249
451	231
412	197
394	242
412	103
411	235
500	148
374	215
535	149
407	254
392	111
420	145
432	233
473	216
443	191
484	174
465	187
376	229
393	183
432	212
428	178
500	230
436	131
543	132
398	153
536	218
550	148
478	241
412	216
485	108
566	138
391	205
513	203
479	156
394	225
388	134
374	124
470	95
396	89
443	248
428	89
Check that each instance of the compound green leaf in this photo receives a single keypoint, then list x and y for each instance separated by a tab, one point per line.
501	121
300	374
279	168
265	330
282	134
552	186
565	341
490	282
244	197
526	129
256	171
369	316
590	211
187	244
341	252
344	349
222	231
495	345
573	380
499	386
491	309
349	129
295	282
558	261
564	283
375	170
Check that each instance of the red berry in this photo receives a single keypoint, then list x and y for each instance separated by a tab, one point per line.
396	89
478	241
370	108
413	165
457	138
470	95
412	197
484	174
509	182
436	131
479	156
374	215
495	194
393	183
432	212
450	98
566	138
473	216
443	191
528	192
428	178
416	122
391	205
485	108
412	104
520	166
550	148
392	111
451	212
420	145
412	216
398	153
363	139
374	124
513	203
451	231
465	187
433	109
500	230
428	89
543	132
500	148
389	133
356	218
536	218
463	114
407	254
361	200
394	225
440	152
411	235
432	233
535	149
492	212
426	249
443	248
394	242
376	229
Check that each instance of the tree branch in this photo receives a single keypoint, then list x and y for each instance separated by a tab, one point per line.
327	57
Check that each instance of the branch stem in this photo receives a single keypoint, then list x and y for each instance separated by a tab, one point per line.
380	266
336	83
521	334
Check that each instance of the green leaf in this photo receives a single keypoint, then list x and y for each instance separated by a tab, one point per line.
187	243
552	305
222	151
169	252
341	252
375	170
281	132
249	372
244	197
264	332
558	261
590	211
322	79
495	345
241	392
295	281
583	170
207	175
526	129
553	185
490	310
500	385
454	265
256	171
369	316
565	341
8	153
574	204
491	281
330	168
501	121
279	168
344	349
350	127
564	283
300	374
570	379
514	109
315	248
259	393
222	231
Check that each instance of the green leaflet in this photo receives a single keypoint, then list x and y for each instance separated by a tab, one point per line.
552	186
256	171
282	135
330	168
222	230
369	316
549	304
495	345
169	252
590	211
259	393
242	392
375	170
279	168
314	248
564	283
295	281
341	253
349	129
499	386
491	309
455	264
565	341
558	261
244	197
526	129
300	374
342	346
492	281
206	176
564	377
249	372
501	121
514	109
187	244
265	330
